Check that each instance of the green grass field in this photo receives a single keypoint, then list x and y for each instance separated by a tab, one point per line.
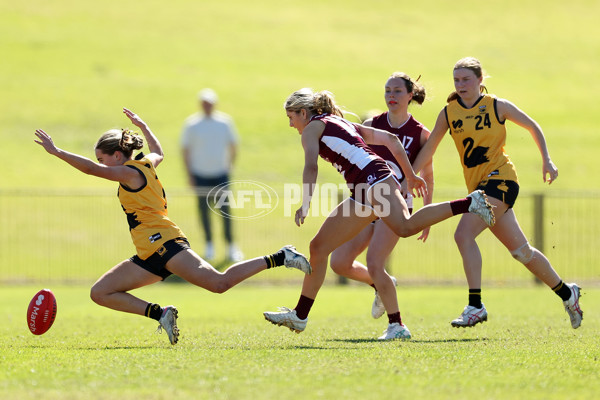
527	348
69	67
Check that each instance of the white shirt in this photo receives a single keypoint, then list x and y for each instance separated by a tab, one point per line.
208	141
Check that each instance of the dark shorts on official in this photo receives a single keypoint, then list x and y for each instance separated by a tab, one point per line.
156	262
505	191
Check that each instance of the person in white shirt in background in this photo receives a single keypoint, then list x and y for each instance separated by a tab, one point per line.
209	143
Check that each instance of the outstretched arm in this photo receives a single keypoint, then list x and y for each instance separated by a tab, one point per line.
116	173
508	111
156	153
427	175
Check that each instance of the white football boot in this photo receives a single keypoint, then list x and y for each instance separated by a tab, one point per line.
481	207
471	316
168	321
286	317
295	259
572	305
395	331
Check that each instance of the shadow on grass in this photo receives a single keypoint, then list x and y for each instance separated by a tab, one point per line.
292	347
372	340
467	340
102	348
369	340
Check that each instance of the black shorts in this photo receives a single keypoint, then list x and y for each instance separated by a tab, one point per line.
505	191
156	262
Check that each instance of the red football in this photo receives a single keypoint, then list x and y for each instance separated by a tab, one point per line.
41	312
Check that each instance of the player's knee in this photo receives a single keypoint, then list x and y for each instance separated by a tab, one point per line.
523	254
404	230
376	272
220	286
375	263
339	263
317	250
459	237
97	295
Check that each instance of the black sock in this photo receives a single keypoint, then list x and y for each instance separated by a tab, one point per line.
475	298
153	311
395	317
303	307
275	260
562	291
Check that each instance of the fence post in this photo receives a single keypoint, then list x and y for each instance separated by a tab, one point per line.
538	224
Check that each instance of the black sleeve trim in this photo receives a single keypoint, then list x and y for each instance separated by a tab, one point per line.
496	112
141	187
447	121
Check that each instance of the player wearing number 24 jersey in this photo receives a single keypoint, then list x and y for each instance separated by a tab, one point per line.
480	138
476	123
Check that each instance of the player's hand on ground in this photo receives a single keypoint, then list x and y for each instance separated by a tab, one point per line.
550	172
45	141
134	118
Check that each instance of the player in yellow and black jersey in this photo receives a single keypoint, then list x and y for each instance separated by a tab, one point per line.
161	247
477	124
480	137
146	210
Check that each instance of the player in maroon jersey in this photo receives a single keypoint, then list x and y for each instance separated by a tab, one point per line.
400	91
375	190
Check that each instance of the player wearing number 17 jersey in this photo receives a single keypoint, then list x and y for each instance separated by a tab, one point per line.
378	239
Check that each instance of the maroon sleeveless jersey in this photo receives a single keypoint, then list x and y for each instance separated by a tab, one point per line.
342	145
410	137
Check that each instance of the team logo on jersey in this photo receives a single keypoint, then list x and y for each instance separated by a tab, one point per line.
474	156
371	178
482	109
155	237
457	126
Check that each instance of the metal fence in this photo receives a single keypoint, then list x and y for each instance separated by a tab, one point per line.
65	236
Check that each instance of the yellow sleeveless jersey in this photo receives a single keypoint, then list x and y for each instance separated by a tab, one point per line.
146	210
480	137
